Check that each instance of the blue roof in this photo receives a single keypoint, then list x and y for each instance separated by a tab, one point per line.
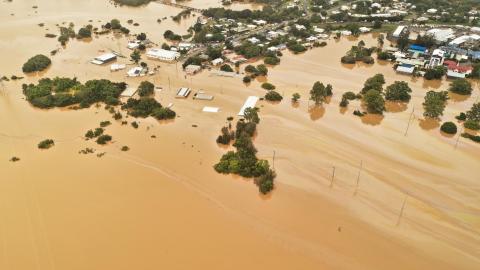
418	48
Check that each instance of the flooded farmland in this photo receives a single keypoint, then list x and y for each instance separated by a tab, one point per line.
404	196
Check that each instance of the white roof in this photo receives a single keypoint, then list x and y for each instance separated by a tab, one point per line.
405	69
438	52
441	35
398	31
364	29
129	92
135	72
162	54
211	109
462	39
105	57
249	103
454	74
115	67
217	61
183	92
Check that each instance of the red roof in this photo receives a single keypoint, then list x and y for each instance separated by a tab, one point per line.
452	65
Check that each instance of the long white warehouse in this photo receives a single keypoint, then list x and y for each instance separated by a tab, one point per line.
249	103
163	55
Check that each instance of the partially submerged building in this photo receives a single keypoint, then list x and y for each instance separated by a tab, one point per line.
104	58
183	92
163	55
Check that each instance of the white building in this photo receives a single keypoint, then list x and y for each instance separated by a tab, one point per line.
183	92
184	46
217	61
441	35
364	29
135	72
465	38
259	22
192	69
399	31
104	58
117	67
163	55
253	40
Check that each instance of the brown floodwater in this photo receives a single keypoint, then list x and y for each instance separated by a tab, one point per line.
404	196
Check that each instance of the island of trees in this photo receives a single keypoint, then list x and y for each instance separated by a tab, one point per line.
244	161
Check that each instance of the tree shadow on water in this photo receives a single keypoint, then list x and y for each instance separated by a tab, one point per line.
395	107
316	112
372	119
429	123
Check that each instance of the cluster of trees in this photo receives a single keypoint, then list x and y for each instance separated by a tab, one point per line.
115	24
472	118
226	68
146	89
434	104
85	32
170	35
399	91
37	63
347	97
320	92
449	128
91	134
268	86
61	92
134	3
268	13
104	139
461	87
244	161
372	94
273	96
66	33
435	73
46	144
260	70
147	106
358	53
295	47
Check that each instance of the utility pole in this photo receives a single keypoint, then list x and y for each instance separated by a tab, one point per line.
333	177
273	160
409	120
358	177
401	210
458	138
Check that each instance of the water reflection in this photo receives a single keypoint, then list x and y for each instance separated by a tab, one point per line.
372	119
396	107
429	123
316	112
458	98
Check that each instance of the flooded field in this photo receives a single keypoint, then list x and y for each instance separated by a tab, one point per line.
400	199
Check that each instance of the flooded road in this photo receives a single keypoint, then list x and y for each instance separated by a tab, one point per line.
396	202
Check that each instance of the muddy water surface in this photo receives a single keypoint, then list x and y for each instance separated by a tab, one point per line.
161	205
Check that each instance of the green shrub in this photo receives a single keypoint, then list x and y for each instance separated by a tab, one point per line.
226	68
461	87
268	86
46	144
273	96
146	88
37	63
449	128
471	124
104	139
